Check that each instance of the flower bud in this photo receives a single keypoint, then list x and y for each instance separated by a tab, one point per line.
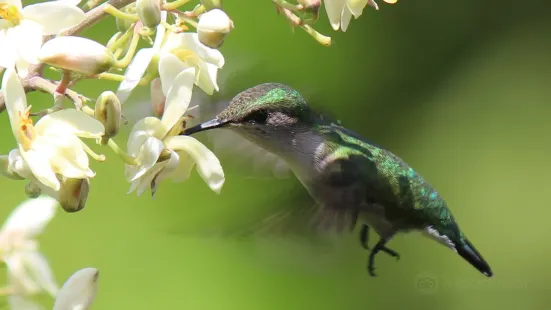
158	99
122	23
149	12
73	194
77	54
108	112
310	11
32	190
6	170
310	5
79	291
213	27
212	4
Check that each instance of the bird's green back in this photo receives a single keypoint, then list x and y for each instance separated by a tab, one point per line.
388	179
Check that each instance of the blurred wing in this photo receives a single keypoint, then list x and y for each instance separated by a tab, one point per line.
293	216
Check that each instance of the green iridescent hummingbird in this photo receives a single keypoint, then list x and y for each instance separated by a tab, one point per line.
353	181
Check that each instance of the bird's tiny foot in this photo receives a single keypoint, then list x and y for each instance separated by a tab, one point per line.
364	237
371	271
391	253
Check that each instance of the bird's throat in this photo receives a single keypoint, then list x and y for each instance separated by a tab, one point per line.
298	146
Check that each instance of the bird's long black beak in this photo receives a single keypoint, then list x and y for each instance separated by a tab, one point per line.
213	123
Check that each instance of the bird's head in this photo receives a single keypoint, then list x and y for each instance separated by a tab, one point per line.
259	110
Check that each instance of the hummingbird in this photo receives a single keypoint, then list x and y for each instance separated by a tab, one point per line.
353	181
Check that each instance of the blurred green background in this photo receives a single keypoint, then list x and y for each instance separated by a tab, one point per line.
460	90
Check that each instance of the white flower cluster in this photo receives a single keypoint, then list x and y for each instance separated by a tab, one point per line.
306	12
28	271
51	154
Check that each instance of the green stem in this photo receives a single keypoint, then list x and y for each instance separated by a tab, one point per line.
122	154
198	10
86	109
111	10
125	61
94	155
174	5
323	40
189	20
118	53
110	76
122	40
289	6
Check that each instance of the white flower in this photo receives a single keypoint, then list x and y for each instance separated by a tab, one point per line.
72	193
162	153
28	270
182	51
340	12
52	146
179	52
79	291
21	29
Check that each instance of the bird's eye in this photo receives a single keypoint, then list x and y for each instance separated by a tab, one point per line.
257	117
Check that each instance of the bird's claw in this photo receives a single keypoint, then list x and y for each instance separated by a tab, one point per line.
371	271
391	253
380	246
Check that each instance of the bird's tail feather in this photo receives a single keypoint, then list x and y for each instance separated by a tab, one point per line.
471	255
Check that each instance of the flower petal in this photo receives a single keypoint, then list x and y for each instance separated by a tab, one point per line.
16	3
17	164
8	52
31	216
345	18
15	99
356	7
206	78
41	168
191	42
178	99
54	16
169	68
40	270
135	141
20	302
171	165
148	155
158	99
29	47
160	33
70	121
134	73
334	12
208	166
79	290
68	157
183	171
18	276
143	183
22	67
143	129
